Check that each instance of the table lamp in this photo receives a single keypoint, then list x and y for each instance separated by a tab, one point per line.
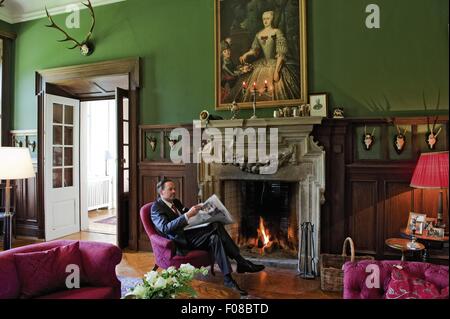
15	163
432	173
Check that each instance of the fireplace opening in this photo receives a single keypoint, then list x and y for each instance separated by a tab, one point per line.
266	218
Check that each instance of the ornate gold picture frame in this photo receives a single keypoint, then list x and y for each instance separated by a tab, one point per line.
260	48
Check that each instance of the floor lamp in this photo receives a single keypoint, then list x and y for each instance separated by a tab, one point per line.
431	172
15	163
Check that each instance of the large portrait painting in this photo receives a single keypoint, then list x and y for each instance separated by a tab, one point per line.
260	52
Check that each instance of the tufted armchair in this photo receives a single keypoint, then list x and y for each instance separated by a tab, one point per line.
165	251
355	277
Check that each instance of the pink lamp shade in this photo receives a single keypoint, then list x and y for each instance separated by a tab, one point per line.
431	171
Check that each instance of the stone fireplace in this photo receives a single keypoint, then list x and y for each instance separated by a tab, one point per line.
269	209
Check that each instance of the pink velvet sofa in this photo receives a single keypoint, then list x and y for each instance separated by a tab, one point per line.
355	274
99	262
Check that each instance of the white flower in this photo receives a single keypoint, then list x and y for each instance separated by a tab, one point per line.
204	271
139	291
187	268
151	277
175	282
160	283
171	270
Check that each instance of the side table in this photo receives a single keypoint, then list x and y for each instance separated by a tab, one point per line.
402	245
428	241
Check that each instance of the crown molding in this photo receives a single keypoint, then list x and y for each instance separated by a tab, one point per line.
12	19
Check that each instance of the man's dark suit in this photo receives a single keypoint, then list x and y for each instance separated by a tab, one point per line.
213	237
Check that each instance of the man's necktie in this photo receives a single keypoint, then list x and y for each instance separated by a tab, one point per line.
175	210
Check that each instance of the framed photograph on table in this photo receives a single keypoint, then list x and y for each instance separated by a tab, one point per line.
260	53
419	220
319	104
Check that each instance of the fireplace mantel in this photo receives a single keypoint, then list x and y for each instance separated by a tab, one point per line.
306	167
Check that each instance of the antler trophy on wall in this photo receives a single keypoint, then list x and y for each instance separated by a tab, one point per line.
86	47
431	136
400	140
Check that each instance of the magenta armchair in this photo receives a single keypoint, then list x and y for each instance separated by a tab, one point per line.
99	266
165	251
355	276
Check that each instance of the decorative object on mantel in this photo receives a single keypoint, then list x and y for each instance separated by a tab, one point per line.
86	47
400	140
234	109
254	91
255	168
153	142
338	113
368	139
431	136
205	116
319	104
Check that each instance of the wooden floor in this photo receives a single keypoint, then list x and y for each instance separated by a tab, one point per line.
272	283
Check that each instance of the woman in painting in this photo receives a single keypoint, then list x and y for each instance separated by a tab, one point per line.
270	49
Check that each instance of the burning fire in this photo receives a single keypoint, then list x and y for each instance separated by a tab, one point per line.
263	234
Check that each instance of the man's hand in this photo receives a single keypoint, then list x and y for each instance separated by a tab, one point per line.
194	210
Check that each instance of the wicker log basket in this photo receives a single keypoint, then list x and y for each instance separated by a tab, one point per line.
331	273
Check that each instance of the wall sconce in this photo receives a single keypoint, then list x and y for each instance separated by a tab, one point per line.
32	144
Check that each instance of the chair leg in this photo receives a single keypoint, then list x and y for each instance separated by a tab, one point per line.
155	267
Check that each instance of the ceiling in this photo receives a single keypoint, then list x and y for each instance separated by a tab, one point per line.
15	11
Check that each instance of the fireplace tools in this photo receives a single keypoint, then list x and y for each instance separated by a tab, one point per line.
307	268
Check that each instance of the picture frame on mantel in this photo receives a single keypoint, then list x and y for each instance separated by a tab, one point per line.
260	52
318	104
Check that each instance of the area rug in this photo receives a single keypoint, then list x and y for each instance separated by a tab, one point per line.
110	221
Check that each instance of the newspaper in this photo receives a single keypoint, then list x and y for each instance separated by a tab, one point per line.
213	211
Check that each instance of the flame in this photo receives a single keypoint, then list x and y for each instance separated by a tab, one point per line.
263	232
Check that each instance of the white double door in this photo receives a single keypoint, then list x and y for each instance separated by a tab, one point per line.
61	166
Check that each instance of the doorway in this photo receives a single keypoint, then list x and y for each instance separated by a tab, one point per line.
92	84
98	149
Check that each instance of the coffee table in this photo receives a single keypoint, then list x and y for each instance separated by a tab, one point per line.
402	245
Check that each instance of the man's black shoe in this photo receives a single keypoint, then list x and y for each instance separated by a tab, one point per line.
233	285
248	266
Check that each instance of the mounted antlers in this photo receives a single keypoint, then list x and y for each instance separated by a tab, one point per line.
368	139
86	47
431	136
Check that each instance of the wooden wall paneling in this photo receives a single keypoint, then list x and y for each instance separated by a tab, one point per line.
398	204
363	223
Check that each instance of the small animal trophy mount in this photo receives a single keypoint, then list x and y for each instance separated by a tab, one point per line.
86	47
338	113
368	139
234	109
400	140
153	142
171	142
17	142
431	136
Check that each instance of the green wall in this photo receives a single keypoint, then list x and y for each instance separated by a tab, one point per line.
368	72
5	26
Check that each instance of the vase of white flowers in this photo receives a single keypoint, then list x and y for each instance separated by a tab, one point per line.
167	284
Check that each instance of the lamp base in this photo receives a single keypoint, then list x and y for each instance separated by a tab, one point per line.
412	245
7	237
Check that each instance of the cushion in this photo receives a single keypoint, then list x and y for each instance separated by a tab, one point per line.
403	285
43	272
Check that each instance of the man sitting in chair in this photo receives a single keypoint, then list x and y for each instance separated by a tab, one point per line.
170	217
